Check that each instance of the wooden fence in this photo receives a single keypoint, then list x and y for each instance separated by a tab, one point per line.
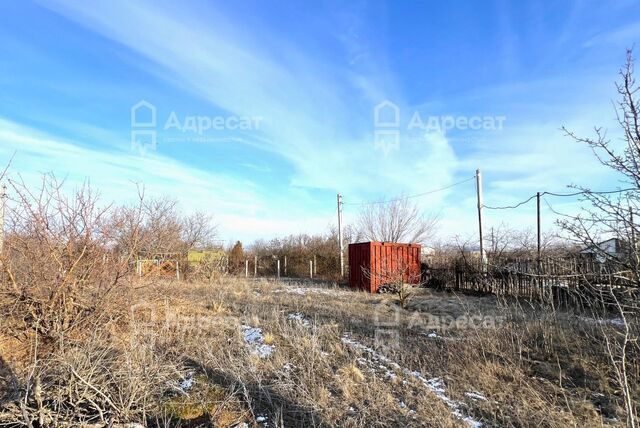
566	281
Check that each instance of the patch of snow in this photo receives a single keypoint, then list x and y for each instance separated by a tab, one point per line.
404	406
376	355
299	317
436	385
263	420
187	383
253	337
618	322
304	290
184	384
475	396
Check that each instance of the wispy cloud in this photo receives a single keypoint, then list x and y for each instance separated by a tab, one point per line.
316	97
242	210
309	112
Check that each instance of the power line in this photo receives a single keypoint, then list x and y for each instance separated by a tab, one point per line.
511	206
584	192
589	192
552	209
412	196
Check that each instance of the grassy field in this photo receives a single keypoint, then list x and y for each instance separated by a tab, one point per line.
265	354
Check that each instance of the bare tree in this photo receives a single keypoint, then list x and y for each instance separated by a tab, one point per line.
507	243
198	230
166	230
162	226
399	220
612	215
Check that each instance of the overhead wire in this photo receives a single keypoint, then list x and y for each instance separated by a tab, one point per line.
412	196
507	207
510	207
553	209
583	192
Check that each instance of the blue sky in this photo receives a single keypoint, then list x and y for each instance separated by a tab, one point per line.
310	75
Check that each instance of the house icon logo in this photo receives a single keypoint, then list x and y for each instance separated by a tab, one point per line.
386	123
386	115
143	127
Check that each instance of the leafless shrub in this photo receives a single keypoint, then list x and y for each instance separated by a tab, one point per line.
91	381
212	266
162	226
397	278
59	260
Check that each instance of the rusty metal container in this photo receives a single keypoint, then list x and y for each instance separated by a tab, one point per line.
372	264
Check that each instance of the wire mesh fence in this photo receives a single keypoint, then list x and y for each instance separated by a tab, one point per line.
293	266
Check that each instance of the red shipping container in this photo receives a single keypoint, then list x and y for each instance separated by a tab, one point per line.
372	264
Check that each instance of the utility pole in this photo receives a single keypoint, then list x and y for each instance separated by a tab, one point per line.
278	268
315	265
539	228
479	193
285	265
340	235
311	269
255	266
246	268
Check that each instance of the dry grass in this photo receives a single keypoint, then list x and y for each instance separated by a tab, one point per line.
527	367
